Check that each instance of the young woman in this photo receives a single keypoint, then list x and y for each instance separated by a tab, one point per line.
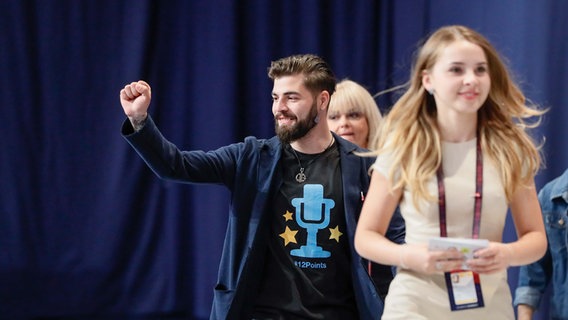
454	154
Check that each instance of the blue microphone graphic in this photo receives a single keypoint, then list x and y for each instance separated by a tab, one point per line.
312	213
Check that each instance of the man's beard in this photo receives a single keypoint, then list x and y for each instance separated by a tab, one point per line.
288	134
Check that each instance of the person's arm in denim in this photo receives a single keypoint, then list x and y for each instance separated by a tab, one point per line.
533	278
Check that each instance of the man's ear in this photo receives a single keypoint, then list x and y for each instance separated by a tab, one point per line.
323	99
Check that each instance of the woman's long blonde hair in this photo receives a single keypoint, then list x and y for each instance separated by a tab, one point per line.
410	134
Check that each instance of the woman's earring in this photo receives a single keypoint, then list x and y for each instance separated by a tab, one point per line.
431	91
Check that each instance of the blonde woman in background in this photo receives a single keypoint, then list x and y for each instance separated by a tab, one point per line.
456	156
353	113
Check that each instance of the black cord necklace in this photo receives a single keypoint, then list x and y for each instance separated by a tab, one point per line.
301	176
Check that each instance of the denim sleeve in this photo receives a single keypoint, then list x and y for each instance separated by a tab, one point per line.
529	296
535	277
533	280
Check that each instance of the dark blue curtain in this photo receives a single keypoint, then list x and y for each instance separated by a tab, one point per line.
87	231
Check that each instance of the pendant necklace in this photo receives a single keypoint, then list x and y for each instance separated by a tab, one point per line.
301	176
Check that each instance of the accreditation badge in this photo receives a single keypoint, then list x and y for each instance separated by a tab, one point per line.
464	290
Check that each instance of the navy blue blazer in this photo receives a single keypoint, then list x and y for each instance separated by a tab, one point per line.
249	169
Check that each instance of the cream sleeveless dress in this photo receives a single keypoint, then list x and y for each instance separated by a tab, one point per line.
418	296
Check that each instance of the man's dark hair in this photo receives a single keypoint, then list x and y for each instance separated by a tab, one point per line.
318	76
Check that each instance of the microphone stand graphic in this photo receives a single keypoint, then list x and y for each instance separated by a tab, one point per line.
312	213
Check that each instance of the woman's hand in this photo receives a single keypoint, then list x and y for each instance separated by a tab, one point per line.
496	257
419	258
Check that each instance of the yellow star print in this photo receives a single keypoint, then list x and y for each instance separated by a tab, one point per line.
335	233
289	236
287	216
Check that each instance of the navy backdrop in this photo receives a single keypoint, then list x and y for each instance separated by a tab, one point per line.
86	229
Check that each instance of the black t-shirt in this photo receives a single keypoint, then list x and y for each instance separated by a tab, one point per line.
307	273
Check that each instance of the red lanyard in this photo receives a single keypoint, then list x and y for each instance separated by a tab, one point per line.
478	193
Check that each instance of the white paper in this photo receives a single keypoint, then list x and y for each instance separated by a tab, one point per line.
464	245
